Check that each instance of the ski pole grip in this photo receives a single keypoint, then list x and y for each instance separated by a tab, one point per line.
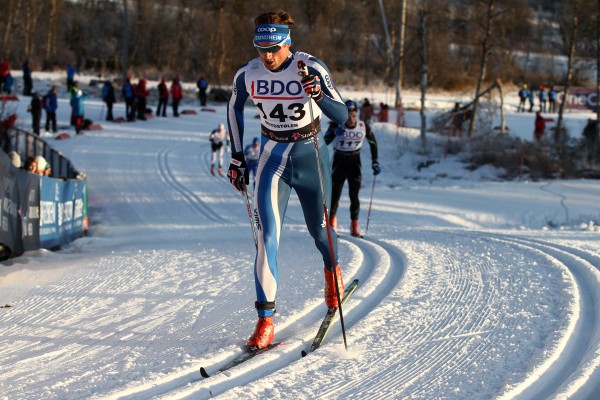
303	69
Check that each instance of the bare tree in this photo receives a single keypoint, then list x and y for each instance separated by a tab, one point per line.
485	49
560	135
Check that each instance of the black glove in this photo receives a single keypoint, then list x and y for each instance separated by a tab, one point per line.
238	172
376	168
312	86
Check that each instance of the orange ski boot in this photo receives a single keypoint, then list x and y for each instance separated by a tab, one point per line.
333	222
330	293
354	229
263	335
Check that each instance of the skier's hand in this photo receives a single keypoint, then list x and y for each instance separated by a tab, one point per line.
376	168
312	86
238	172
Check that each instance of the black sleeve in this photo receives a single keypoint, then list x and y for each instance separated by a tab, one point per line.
372	143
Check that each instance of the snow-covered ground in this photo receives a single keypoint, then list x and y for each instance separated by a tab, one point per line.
470	287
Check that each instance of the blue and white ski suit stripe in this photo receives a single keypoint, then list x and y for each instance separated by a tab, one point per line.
287	158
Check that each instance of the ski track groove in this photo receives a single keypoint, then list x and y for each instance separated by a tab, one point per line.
188	195
378	274
579	263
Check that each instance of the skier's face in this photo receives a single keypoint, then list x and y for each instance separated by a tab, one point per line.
274	56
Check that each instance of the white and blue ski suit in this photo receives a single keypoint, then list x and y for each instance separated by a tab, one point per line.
287	158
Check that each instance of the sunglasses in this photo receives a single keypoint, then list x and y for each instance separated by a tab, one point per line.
268	49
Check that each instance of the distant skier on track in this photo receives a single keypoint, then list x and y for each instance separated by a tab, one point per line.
287	160
218	139
347	142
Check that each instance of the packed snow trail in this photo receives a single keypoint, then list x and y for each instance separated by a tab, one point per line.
460	297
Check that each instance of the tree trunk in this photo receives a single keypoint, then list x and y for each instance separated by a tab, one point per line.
560	134
422	32
400	63
485	49
125	55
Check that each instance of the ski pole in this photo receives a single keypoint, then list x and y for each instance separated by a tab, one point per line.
370	204
304	72
252	226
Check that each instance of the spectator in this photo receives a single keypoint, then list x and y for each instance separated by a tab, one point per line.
77	110
217	138
543	97
347	142
8	83
15	159
35	108
176	95
129	96
50	104
590	135
108	96
523	94
163	98
252	154
531	99
202	86
27	80
141	95
458	118
71	71
540	127
366	111
30	165
43	168
4	72
552	99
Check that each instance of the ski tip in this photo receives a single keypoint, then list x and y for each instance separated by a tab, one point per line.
204	373
304	353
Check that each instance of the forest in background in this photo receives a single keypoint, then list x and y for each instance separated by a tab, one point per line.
214	37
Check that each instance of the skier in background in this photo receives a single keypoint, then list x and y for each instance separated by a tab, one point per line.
252	153
347	142
288	160
218	138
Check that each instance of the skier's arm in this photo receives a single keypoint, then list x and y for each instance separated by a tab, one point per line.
330	134
331	103
372	143
235	112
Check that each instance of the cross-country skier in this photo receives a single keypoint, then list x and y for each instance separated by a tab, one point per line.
252	153
288	158
347	142
217	138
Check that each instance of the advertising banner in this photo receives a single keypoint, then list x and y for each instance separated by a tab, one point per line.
10	224
61	211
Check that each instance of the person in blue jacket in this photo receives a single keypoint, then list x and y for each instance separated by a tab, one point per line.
77	98
291	90
523	94
128	93
50	103
531	99
552	99
543	97
71	71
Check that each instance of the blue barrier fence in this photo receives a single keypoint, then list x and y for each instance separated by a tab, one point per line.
38	211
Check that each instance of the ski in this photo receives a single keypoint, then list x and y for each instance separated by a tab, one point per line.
253	352
250	353
329	319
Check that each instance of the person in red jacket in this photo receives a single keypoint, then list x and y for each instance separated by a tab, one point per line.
540	127
141	94
176	95
4	71
163	98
